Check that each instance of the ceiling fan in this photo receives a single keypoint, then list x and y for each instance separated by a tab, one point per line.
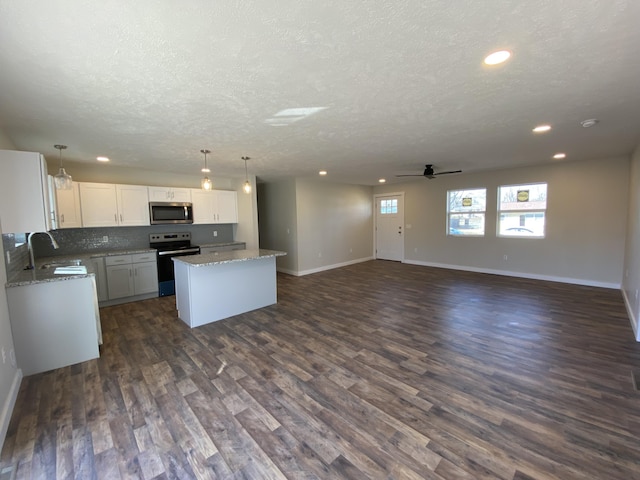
429	173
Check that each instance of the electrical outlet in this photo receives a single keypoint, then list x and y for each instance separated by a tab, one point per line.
415	250
215	233
351	250
12	358
505	257
319	254
4	356
105	238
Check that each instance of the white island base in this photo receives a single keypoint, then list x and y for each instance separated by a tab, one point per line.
212	287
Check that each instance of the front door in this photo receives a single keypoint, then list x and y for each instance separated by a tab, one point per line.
390	227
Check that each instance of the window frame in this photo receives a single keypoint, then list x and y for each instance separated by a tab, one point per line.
500	211
482	212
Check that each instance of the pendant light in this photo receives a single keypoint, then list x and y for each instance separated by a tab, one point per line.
62	179
247	184
206	184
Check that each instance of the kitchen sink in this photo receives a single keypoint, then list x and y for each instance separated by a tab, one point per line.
62	263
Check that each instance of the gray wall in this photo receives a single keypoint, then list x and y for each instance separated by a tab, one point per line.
335	224
319	224
585	232
277	221
631	277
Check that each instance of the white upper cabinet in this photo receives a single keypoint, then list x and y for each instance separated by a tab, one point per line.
203	206
227	206
68	213
133	205
168	194
24	195
108	205
99	204
215	206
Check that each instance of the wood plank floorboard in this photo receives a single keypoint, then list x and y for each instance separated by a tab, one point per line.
377	370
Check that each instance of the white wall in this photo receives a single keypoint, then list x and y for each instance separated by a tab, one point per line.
246	230
586	223
10	376
631	276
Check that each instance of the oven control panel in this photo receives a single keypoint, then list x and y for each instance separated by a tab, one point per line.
169	237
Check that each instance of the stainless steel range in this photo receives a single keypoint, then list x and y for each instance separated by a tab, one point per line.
170	245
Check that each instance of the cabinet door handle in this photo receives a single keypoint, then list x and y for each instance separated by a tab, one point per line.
120	217
115	217
62	218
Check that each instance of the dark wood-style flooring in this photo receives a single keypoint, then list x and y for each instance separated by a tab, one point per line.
374	371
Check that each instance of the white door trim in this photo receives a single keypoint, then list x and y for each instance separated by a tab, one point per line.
376	196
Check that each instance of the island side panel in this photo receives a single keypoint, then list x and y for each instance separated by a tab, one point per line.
183	295
57	330
223	290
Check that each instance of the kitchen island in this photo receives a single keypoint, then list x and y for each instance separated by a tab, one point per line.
211	287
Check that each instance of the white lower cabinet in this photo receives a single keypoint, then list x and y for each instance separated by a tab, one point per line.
131	275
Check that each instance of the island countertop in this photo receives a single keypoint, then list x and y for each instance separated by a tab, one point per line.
218	258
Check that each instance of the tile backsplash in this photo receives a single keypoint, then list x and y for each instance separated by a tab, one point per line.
87	240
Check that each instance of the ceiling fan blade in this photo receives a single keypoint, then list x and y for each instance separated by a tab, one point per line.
411	175
447	173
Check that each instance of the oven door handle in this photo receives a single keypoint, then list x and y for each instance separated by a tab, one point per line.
174	252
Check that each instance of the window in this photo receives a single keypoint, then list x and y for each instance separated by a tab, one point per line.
466	211
521	210
389	206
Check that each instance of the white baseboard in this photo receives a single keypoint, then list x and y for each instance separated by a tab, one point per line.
532	276
632	318
7	408
324	268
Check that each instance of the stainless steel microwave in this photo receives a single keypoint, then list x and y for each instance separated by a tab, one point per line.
169	212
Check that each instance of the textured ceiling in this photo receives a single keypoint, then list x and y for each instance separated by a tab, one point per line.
149	83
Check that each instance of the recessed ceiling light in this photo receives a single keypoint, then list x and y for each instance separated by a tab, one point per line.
560	156
589	123
542	128
382	180
102	159
498	57
322	172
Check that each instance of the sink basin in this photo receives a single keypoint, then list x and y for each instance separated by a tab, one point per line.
62	263
71	270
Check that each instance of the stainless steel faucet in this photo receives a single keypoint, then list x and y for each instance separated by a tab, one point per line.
32	261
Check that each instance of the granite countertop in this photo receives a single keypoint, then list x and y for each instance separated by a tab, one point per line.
208	259
220	244
39	274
